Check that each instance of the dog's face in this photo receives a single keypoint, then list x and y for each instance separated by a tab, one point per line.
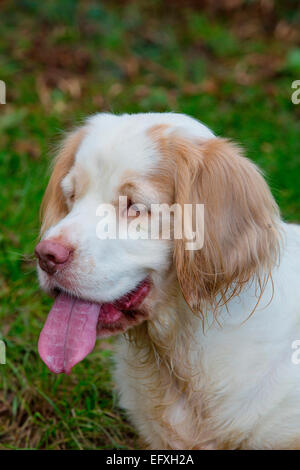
111	160
116	283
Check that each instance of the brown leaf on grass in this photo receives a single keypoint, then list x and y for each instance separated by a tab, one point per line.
4	289
141	91
4	409
58	56
98	101
43	91
131	67
30	147
287	32
267	65
71	85
115	90
209	86
255	68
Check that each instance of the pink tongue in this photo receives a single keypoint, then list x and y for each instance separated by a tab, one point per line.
69	333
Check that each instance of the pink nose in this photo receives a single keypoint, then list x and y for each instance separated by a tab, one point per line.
51	255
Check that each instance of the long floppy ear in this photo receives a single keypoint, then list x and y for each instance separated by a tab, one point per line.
241	237
53	207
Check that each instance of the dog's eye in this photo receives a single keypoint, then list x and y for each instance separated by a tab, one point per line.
133	210
136	209
72	197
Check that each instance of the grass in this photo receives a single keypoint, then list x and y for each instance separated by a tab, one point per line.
64	60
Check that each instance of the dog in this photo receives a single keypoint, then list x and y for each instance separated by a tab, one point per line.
206	346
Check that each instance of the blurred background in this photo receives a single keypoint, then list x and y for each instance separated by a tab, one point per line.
229	63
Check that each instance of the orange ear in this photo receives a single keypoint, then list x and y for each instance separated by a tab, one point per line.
241	238
53	206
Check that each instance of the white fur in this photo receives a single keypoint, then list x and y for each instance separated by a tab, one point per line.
243	374
242	367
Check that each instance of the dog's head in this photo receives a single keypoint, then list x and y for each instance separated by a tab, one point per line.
98	253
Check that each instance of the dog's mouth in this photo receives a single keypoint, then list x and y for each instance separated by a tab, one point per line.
73	325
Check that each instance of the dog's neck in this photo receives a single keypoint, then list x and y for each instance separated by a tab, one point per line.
166	340
162	355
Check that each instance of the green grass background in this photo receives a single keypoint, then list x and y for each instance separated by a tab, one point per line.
229	66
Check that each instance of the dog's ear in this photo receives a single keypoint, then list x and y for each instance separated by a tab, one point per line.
53	207
241	237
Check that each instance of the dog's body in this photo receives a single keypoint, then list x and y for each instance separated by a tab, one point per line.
230	385
208	360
